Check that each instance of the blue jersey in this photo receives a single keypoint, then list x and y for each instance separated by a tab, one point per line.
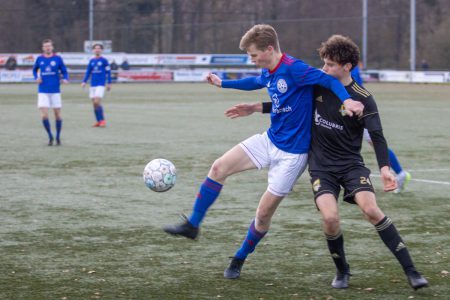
50	70
356	75
290	87
100	70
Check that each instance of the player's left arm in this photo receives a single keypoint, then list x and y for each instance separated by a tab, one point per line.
64	72
304	75
372	122
108	75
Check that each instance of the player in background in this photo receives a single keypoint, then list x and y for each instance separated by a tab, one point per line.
47	72
283	148
403	177
335	160
100	71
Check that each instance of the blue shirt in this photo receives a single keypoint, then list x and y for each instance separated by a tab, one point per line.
50	69
100	70
290	87
356	75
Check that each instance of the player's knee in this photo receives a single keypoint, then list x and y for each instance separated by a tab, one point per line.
264	215
372	213
218	170
330	222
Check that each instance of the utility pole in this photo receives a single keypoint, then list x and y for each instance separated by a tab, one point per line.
413	36
364	33
91	22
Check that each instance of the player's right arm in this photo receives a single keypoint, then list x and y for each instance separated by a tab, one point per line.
35	71
245	84
243	110
87	74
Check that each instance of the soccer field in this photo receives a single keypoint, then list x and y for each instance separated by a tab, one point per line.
77	221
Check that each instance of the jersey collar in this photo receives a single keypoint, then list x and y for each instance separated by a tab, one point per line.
278	65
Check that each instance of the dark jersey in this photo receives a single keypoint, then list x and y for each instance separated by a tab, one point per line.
336	138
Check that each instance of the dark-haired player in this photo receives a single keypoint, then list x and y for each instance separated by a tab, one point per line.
283	148
100	71
335	160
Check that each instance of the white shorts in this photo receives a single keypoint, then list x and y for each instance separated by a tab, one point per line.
52	100
284	168
367	136
97	91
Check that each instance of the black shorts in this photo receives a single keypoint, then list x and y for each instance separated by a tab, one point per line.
353	180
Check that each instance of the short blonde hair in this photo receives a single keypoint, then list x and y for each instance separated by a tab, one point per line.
262	36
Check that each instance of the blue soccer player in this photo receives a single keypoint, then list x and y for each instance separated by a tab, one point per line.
283	148
403	177
335	161
99	68
47	72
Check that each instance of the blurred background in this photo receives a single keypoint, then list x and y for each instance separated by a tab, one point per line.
196	26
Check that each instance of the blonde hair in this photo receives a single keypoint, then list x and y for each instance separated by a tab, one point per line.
262	36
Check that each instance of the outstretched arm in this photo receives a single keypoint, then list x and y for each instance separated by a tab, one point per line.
245	84
243	110
304	74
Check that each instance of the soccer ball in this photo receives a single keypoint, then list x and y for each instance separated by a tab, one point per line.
160	175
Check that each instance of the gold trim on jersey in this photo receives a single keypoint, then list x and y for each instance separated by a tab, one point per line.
360	90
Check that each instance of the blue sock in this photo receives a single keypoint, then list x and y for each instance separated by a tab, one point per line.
47	127
58	128
395	164
209	191
97	113
251	240
100	113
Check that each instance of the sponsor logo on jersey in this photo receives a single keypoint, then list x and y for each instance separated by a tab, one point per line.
276	109
316	185
319	121
275	100
319	99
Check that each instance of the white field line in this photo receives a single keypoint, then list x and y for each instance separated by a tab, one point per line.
428	170
421	180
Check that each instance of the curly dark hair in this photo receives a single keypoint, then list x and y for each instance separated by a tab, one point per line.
340	49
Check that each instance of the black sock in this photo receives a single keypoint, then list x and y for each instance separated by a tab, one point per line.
336	247
394	242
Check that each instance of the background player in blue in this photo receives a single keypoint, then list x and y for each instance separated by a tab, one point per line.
283	148
335	160
403	177
100	71
47	72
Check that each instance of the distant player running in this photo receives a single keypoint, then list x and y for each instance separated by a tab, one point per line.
335	160
47	72
100	71
283	148
403	177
